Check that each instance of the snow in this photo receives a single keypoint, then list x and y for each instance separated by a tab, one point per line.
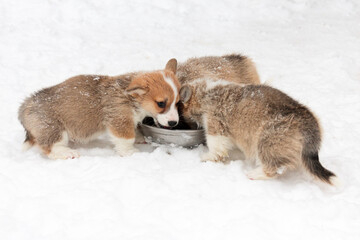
308	49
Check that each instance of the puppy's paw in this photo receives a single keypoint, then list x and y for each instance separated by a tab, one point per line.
139	138
257	174
206	157
127	152
60	152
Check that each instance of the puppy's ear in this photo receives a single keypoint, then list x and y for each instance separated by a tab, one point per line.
185	93
171	65
137	88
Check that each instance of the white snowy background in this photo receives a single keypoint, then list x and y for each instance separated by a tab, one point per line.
308	49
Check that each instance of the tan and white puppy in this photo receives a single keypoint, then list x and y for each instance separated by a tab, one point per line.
81	107
266	124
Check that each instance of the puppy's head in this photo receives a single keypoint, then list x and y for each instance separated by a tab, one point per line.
189	106
158	93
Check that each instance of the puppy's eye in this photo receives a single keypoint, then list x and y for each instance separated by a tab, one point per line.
161	104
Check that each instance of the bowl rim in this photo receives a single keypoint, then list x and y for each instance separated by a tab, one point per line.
172	131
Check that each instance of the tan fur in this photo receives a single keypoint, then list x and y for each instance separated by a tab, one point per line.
230	68
85	105
266	124
150	80
234	68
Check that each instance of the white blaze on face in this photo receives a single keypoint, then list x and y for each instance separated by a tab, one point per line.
172	114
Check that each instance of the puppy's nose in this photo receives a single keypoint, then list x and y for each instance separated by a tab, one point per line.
172	123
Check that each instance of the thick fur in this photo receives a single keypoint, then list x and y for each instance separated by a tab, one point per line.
266	124
86	105
83	106
233	68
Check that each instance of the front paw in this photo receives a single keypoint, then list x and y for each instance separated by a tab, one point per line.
213	157
127	152
124	147
139	138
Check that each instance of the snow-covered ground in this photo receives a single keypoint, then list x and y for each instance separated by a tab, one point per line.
308	49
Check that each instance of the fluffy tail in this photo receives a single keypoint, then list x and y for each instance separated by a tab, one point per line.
311	131
313	165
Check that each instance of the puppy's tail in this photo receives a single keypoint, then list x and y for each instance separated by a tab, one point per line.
310	154
29	141
313	165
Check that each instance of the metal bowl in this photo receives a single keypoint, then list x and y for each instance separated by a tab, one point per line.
184	138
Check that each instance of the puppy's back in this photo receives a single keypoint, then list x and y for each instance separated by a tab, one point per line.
234	68
291	130
74	104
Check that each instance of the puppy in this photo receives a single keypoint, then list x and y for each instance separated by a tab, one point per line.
81	107
266	124
233	68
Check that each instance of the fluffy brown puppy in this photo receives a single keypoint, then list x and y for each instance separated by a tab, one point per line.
266	124
81	107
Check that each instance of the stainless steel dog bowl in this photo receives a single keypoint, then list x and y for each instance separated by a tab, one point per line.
184	138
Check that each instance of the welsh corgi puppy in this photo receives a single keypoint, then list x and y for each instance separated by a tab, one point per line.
233	68
83	106
266	124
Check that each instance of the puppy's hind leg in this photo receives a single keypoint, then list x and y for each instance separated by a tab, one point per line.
257	174
29	141
60	149
272	162
44	129
275	155
263	173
